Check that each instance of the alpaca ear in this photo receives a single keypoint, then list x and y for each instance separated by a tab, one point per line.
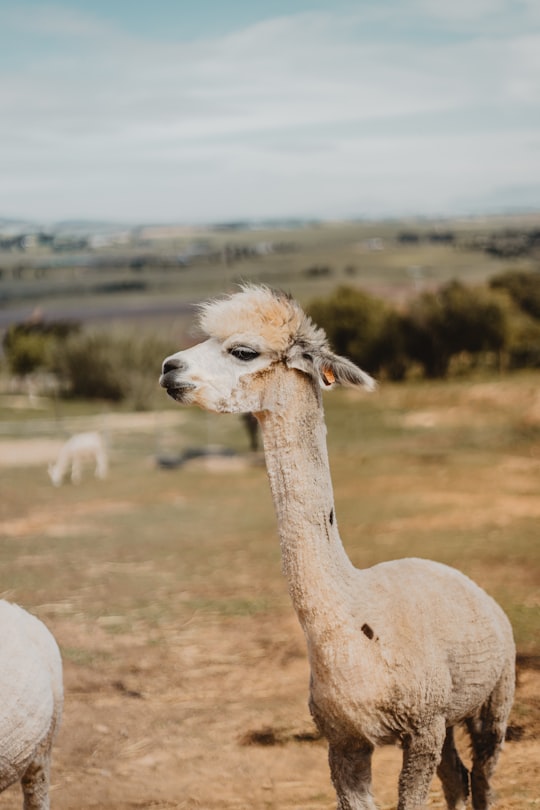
330	369
333	369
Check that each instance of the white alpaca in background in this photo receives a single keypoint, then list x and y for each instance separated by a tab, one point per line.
31	705
80	448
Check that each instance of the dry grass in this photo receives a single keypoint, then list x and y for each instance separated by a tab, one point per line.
164	590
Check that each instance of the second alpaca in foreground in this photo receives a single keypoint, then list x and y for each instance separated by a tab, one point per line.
401	652
31	707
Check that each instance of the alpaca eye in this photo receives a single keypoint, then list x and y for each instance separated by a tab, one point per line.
243	353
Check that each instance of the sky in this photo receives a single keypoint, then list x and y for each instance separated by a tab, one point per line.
199	111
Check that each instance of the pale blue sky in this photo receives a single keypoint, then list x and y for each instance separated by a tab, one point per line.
203	111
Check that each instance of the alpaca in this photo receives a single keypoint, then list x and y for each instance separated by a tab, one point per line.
32	697
399	653
79	448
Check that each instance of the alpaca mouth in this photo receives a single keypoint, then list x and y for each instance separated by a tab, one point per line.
180	393
176	390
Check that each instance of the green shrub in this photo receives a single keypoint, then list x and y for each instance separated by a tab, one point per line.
27	352
28	346
86	365
117	368
523	288
457	319
524	344
437	327
354	323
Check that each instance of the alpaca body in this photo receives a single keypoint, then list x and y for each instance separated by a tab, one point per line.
32	698
446	671
80	449
400	652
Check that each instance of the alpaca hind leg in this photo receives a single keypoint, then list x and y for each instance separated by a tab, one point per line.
453	774
35	783
486	744
421	757
487	731
350	768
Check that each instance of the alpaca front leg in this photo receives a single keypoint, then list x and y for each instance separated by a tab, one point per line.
421	756
350	769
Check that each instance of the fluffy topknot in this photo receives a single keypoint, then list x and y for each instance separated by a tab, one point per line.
271	317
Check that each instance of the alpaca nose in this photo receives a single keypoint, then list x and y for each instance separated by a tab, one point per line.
173	364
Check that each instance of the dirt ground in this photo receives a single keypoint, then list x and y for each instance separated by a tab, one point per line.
212	713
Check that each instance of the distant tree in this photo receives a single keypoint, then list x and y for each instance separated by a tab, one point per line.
318	271
442	237
408	237
511	242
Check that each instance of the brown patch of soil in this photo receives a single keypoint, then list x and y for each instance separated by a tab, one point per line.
213	715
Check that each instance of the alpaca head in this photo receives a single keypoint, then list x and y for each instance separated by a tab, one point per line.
252	335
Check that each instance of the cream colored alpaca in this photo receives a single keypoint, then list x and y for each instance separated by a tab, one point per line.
31	704
399	653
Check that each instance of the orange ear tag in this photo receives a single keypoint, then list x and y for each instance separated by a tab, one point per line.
328	376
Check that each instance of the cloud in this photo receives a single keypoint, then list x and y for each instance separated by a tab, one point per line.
278	112
488	16
464	10
50	20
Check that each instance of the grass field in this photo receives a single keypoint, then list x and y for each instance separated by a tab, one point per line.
163	586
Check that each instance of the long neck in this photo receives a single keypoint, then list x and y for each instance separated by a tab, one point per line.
314	560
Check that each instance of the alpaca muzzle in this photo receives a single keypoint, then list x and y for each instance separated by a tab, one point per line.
171	379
